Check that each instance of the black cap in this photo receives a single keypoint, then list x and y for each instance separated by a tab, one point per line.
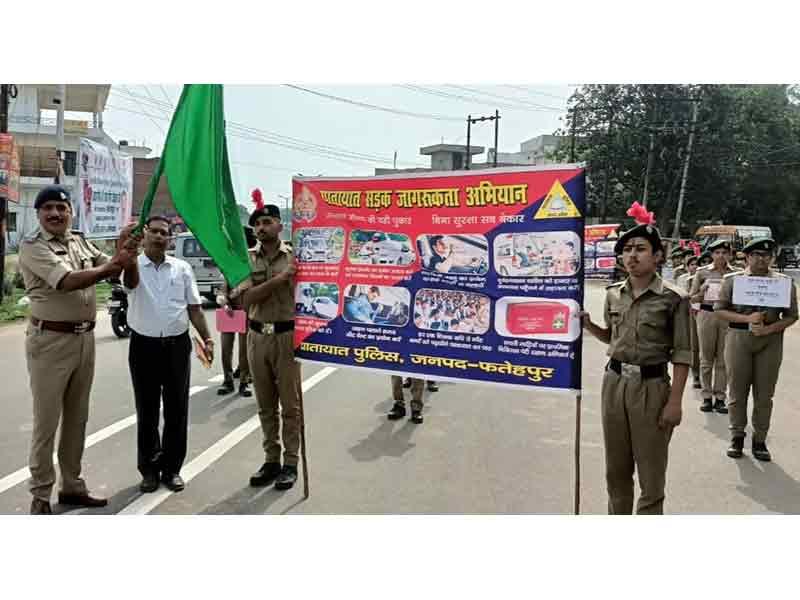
692	259
268	210
763	244
705	256
725	244
50	193
648	232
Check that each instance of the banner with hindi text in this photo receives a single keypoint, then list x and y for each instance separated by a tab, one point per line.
473	276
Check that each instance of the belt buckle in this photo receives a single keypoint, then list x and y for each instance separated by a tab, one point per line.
629	371
82	327
269	328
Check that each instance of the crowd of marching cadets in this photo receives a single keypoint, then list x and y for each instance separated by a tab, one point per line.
693	322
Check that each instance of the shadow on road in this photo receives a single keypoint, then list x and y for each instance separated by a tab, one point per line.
769	485
384	441
718	425
248	501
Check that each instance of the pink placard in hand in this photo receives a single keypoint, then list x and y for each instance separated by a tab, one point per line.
236	323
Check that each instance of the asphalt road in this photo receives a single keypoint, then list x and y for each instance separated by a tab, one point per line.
481	449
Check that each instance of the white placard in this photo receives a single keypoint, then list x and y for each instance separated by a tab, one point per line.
105	190
772	292
712	292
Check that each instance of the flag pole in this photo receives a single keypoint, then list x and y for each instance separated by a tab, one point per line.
577	509
302	434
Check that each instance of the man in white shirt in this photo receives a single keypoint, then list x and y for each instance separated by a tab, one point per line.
162	299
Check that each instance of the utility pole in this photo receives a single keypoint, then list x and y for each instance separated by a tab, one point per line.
4	99
676	230
572	135
60	100
470	121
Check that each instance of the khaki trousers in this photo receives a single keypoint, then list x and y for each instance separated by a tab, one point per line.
417	386
752	362
61	370
228	340
712	332
276	376
630	408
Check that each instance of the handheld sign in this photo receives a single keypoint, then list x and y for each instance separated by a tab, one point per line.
771	292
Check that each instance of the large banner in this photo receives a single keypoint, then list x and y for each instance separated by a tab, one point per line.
465	275
9	168
599	260
105	190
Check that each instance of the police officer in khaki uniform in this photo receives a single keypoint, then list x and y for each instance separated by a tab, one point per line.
685	283
399	408
269	300
60	269
227	339
753	349
711	331
678	257
647	325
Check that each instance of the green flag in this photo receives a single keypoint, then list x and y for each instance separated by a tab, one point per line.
195	161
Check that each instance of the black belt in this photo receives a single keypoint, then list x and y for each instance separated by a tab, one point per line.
744	326
270	328
708	307
646	371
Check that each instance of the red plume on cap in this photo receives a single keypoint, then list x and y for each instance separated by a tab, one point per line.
258	198
641	215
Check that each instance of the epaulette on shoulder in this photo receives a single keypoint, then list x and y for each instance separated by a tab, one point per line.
617	284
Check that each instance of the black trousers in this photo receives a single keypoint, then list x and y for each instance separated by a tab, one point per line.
160	368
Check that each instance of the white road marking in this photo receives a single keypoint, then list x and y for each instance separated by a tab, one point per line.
147	502
20	475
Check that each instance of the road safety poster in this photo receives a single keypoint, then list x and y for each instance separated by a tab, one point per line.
472	276
105	190
599	259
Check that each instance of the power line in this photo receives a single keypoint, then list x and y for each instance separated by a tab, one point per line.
404	113
280	139
529	91
474	100
474	91
161	129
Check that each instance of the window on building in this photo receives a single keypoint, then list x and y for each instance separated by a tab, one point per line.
70	162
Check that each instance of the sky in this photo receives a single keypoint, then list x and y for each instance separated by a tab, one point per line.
440	113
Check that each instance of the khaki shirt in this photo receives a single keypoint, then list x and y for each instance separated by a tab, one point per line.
707	274
279	306
725	301
45	260
680	270
651	329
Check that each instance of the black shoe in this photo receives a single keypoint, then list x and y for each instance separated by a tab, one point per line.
737	444
40	507
149	483
268	472
720	407
84	500
407	382
433	386
287	477
697	385
225	389
173	481
416	416
706	406
237	373
244	390
760	451
398	412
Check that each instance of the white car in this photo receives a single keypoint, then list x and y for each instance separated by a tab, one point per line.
325	308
